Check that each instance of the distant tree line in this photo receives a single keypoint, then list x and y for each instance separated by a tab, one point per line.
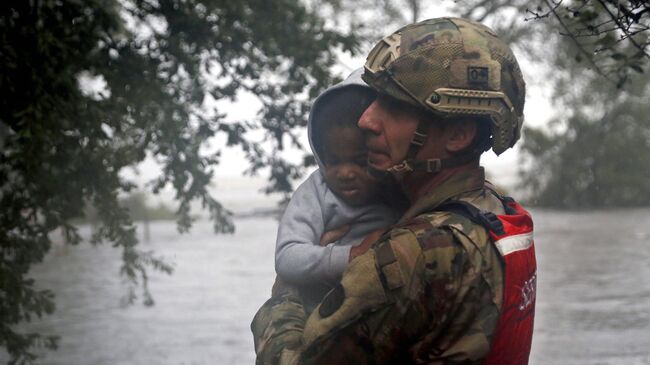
136	206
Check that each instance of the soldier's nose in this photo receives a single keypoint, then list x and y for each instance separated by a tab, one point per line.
369	121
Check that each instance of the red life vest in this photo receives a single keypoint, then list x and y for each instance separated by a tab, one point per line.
514	331
512	234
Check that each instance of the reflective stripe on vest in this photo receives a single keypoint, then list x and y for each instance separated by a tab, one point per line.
514	331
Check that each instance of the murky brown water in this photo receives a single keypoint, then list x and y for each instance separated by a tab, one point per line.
593	302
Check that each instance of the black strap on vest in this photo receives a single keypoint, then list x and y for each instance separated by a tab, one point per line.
487	220
505	200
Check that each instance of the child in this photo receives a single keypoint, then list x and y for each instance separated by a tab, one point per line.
337	196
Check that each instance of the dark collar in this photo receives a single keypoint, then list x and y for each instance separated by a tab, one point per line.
462	182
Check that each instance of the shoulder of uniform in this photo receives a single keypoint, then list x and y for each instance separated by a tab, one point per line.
427	226
445	234
405	253
457	223
430	230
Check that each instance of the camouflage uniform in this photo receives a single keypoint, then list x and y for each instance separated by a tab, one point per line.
428	292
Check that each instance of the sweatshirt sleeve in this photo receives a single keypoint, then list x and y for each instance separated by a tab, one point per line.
299	259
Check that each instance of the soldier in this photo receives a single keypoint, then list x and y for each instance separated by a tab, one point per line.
454	281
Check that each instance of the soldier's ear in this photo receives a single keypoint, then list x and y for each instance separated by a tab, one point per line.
460	135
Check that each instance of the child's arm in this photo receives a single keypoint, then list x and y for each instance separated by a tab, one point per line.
299	257
334	235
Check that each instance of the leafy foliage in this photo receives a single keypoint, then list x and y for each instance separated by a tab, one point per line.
594	153
613	36
592	55
91	87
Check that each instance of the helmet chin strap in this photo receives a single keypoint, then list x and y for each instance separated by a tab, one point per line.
432	166
395	173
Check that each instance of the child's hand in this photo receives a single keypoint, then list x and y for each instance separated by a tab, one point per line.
367	242
334	235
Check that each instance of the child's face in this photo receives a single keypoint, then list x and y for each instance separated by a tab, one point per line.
345	159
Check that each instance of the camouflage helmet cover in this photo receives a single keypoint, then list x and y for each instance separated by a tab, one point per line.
452	67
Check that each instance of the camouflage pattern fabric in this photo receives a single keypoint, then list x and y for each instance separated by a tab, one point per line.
452	67
278	325
429	292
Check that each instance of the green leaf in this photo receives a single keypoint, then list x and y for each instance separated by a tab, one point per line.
636	68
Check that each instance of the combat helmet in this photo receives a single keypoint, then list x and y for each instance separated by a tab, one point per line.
451	67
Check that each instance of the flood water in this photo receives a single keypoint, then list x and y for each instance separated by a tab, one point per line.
593	301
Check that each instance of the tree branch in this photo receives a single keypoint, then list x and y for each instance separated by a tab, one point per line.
625	31
587	55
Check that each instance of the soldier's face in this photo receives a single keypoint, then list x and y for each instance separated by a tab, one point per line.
388	126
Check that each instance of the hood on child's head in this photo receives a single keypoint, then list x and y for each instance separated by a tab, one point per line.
315	128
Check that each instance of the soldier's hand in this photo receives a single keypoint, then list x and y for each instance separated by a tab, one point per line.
334	235
367	242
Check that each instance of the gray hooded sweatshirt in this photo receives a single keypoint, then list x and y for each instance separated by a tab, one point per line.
314	210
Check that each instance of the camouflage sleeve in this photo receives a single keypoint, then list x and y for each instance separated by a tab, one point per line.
388	300
278	325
